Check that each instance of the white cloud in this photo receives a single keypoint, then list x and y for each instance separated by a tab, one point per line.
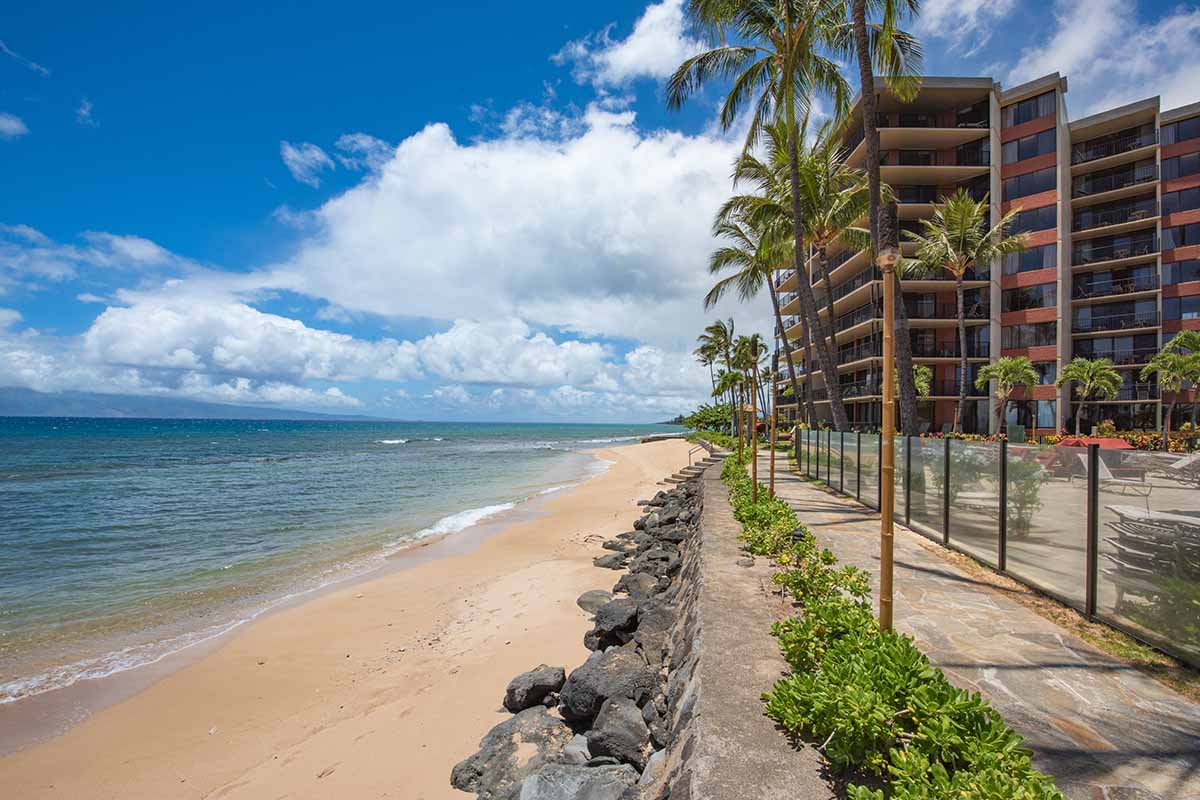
11	126
305	161
83	114
654	49
23	61
967	24
27	255
9	317
1152	58
364	151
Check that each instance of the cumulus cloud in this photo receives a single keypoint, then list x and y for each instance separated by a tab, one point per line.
655	48
26	254
11	126
1153	57
305	161
362	151
967	24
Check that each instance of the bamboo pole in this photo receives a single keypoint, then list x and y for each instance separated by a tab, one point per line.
888	257
774	422
774	413
754	421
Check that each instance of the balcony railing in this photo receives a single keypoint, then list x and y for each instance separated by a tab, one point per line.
847	355
1115	322
972	274
858	281
1096	250
950	389
1111	145
1089	290
1118	178
1132	391
866	388
782	276
949	350
1125	358
858	316
947	310
834	262
916	194
1115	214
787	297
791	320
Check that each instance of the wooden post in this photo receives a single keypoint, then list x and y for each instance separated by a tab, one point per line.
754	421
888	256
774	413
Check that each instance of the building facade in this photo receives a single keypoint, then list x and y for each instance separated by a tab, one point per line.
1110	205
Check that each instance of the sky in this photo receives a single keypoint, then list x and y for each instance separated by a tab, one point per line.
464	211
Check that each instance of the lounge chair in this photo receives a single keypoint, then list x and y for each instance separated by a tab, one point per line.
1111	483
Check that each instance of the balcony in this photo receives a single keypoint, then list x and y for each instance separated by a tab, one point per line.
916	194
1126	358
1132	391
1113	145
858	316
790	321
947	311
1110	180
834	262
950	389
865	388
972	274
848	355
949	350
1095	251
858	281
1115	322
1115	214
783	276
1092	289
787	298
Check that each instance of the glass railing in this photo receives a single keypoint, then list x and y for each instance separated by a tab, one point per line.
847	355
973	274
835	261
790	321
947	310
1124	358
866	388
1088	290
1131	391
949	350
1110	146
1118	178
1116	214
857	282
783	275
916	194
950	389
785	298
1096	250
858	316
1115	322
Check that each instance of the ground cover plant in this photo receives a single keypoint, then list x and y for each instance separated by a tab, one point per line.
870	699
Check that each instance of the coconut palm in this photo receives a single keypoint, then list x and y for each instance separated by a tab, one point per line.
729	384
882	48
957	239
922	379
778	68
719	336
1008	373
1095	379
1173	369
1188	342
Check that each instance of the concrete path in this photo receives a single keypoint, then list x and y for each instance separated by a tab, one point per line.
1104	730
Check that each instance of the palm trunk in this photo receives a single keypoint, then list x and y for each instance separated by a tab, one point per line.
810	405
808	304
823	272
736	415
1167	425
1079	419
904	364
962	356
787	344
1001	407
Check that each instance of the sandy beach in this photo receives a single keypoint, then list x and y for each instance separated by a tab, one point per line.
372	690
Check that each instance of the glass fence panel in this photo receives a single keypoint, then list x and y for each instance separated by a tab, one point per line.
898	463
925	503
975	498
1150	547
835	460
850	459
870	470
1047	519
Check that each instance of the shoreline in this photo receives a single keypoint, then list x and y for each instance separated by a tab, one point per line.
433	619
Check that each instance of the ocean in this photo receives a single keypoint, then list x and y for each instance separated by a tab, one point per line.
123	540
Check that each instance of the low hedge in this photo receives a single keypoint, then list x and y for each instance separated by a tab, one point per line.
871	697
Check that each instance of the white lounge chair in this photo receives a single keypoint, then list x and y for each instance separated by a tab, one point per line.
1110	482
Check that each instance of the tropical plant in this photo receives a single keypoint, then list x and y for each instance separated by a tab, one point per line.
709	417
729	383
922	378
957	239
1008	373
882	48
1188	342
1173	370
717	339
780	63
1094	379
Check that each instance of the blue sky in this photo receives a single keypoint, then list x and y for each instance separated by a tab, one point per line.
467	211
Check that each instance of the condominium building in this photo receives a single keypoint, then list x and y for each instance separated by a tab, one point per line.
1110	205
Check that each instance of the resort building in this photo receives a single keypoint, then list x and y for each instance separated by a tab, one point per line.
1111	207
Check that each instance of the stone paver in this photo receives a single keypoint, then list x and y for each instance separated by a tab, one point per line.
1100	727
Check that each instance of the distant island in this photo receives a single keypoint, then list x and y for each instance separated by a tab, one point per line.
19	402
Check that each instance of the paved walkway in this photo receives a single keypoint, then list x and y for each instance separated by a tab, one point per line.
1104	730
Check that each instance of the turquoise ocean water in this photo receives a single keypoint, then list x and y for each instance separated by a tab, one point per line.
124	540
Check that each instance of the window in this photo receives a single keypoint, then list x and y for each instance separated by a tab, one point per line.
1181	131
916	158
916	194
1030	259
1029	412
1037	219
1037	334
1106	180
1183	200
1179	166
1042	180
1119	349
977	153
1181	307
1047	372
1181	236
1026	110
1043	295
1181	271
1032	146
1115	213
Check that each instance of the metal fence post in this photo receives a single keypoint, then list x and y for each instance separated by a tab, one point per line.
1093	530
946	491
842	464
1002	543
858	466
907	480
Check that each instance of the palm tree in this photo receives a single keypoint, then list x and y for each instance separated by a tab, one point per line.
1097	379
1188	342
719	336
1173	369
1008	373
922	379
729	383
779	69
883	48
956	239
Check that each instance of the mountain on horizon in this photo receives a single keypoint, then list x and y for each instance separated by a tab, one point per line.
20	402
